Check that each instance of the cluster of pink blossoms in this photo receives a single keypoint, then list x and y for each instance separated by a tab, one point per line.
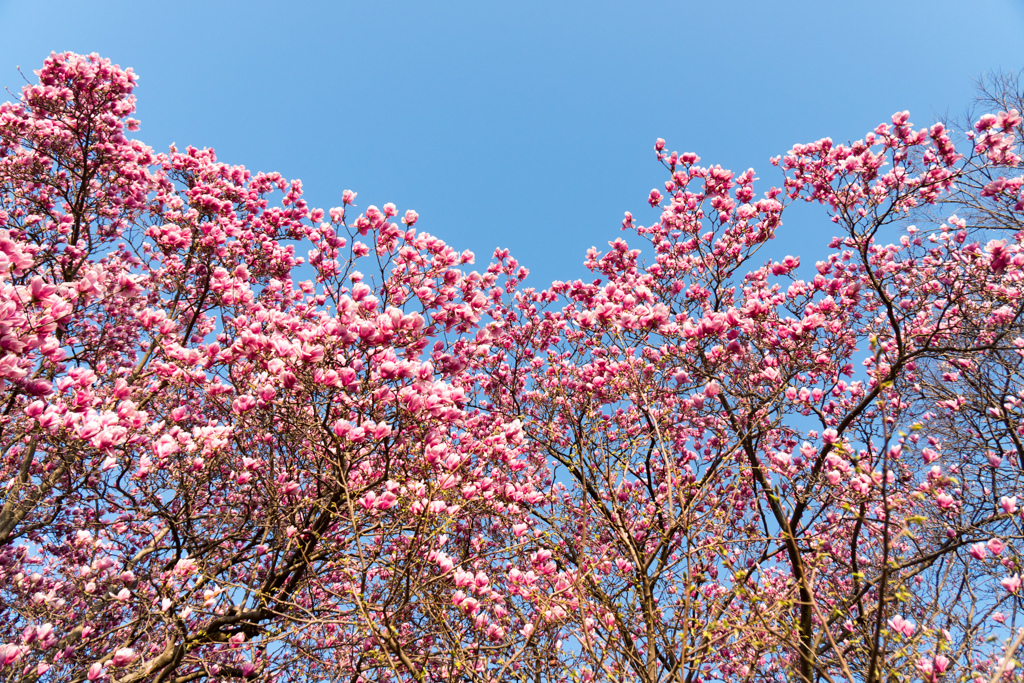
248	439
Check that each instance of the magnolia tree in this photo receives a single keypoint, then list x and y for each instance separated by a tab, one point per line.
247	439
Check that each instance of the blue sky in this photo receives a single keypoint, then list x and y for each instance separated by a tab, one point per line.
525	125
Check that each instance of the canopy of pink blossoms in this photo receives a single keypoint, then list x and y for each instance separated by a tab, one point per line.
248	439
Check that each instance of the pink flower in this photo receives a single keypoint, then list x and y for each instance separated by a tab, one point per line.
348	196
978	551
995	546
1008	504
145	467
386	500
243	404
1011	583
463	578
123	657
237	639
185	567
931	666
10	653
901	625
35	409
410	218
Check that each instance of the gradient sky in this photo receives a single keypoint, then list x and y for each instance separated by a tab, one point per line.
526	125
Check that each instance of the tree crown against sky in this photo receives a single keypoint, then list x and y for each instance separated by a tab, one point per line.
550	106
248	439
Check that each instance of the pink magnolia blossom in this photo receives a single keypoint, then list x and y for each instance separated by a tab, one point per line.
11	653
123	657
901	625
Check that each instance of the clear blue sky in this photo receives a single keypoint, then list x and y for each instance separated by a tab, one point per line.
526	125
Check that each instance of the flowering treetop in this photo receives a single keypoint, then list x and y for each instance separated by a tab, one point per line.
247	439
